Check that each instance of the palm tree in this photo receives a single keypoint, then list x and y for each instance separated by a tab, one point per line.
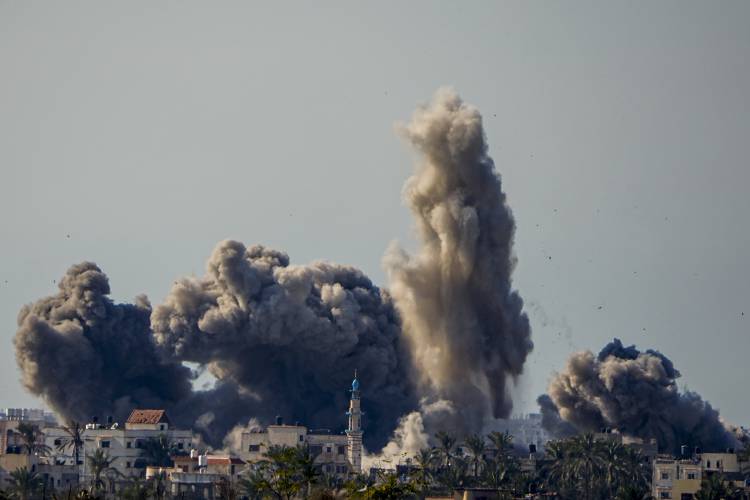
158	450
99	463
424	460
279	471
225	489
714	487
453	476
254	485
33	439
308	472
557	471
135	490
24	484
447	442
587	463
630	492
476	446
613	462
74	440
502	441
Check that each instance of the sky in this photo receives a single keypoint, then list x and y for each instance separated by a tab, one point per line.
137	135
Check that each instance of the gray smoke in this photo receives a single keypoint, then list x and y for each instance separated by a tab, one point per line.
635	393
285	339
289	337
87	356
463	322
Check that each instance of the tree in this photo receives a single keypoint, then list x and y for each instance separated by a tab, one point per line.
476	446
279	472
501	441
24	484
447	442
225	489
388	488
254	485
630	492
74	440
424	460
33	439
158	450
99	463
714	487
308	472
586	463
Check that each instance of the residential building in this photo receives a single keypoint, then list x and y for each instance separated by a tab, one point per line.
680	479
124	443
335	454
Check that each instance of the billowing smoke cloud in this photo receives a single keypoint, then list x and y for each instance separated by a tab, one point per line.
289	337
635	393
285	339
87	356
463	323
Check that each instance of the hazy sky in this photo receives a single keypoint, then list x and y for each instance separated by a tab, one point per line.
139	134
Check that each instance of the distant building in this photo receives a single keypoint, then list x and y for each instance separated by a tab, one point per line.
680	478
525	429
121	443
37	416
335	454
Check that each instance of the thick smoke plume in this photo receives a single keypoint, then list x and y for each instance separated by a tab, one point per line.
635	393
438	351
463	322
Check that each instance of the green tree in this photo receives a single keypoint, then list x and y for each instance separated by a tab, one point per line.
305	463
32	439
502	442
447	442
476	446
74	440
715	487
587	464
99	463
387	488
24	484
424	461
158	450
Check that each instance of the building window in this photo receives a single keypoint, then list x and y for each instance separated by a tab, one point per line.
128	444
665	494
127	465
316	450
253	448
328	449
691	475
342	450
58	442
161	427
301	438
708	464
103	444
665	475
179	446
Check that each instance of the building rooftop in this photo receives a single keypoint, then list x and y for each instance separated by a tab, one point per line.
148	417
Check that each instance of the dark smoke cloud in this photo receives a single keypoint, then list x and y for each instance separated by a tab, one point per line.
285	339
87	356
636	393
290	337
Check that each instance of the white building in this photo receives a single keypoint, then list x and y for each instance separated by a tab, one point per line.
122	443
335	454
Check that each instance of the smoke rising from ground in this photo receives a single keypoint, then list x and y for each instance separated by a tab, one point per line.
463	322
436	352
635	393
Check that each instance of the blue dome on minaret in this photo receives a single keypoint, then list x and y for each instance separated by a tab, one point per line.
355	382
